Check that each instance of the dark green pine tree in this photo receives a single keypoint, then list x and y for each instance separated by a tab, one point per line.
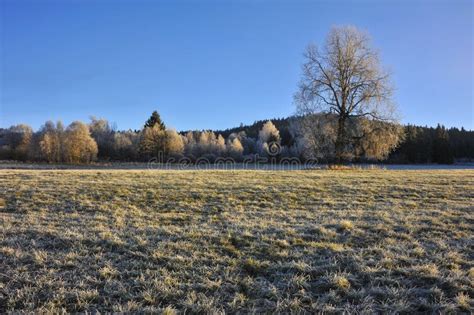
442	151
155	119
410	147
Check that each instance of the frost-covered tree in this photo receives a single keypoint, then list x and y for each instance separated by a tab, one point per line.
189	145
268	139
153	138
210	145
51	142
314	136
17	142
375	139
79	146
235	148
174	144
269	133
345	81
126	145
103	135
249	144
153	142
219	147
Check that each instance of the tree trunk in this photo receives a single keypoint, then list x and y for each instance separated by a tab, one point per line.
340	140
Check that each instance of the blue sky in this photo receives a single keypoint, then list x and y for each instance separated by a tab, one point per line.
215	64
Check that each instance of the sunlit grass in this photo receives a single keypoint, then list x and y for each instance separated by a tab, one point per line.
244	241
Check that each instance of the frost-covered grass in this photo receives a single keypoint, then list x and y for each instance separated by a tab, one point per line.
222	241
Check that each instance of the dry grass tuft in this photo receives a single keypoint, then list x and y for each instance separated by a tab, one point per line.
340	282
169	311
108	272
346	225
464	301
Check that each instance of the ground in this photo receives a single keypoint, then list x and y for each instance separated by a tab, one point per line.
236	241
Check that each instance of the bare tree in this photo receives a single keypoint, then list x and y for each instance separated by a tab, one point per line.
126	145
344	81
103	135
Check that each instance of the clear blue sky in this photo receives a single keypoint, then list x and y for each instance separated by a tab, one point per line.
214	64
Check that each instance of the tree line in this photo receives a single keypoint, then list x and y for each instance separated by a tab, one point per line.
420	144
434	145
98	140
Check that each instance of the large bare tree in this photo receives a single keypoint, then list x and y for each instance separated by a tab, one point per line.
344	86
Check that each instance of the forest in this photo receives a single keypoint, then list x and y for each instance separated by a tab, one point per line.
99	141
420	144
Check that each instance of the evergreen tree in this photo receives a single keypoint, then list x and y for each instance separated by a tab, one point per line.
442	152
155	119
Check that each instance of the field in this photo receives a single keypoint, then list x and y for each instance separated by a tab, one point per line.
243	241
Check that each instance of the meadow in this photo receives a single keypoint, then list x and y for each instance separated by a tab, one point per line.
236	241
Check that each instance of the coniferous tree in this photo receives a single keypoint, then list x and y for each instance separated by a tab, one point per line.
442	153
153	137
155	119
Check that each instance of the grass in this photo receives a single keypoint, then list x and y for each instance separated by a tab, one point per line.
237	242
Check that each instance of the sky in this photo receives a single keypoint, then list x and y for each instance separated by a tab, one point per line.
215	64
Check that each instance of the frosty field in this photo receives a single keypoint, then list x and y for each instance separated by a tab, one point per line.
236	241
